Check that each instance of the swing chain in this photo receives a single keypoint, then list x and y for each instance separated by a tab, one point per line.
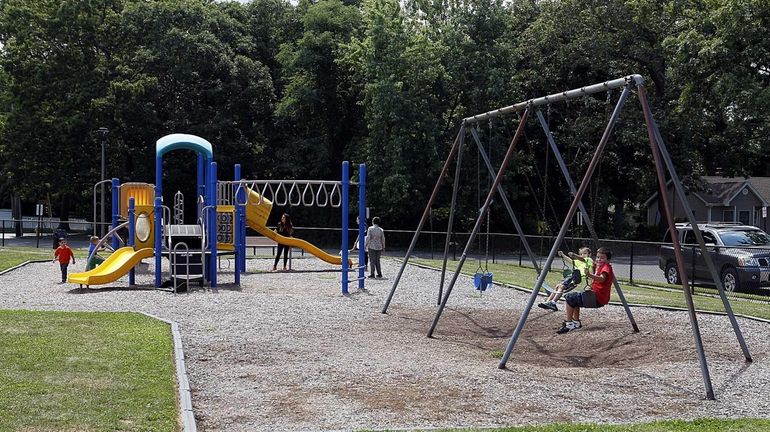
486	251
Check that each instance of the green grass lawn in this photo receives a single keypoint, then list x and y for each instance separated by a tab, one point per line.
86	371
13	256
526	277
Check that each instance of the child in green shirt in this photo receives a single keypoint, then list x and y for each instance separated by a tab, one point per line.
581	262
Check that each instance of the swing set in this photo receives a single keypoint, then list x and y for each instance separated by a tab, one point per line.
663	164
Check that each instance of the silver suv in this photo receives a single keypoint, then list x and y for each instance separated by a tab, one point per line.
741	254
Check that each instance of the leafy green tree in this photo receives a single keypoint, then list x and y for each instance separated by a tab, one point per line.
399	72
54	54
721	69
185	66
578	42
318	106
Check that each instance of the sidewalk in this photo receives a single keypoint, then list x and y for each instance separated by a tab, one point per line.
75	241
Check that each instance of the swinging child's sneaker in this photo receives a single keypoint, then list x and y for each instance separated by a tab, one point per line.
568	326
543	305
552	306
565	327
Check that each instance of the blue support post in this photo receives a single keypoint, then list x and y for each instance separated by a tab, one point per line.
211	195
201	191
362	223
131	236
158	219
158	240
115	211
345	224
238	228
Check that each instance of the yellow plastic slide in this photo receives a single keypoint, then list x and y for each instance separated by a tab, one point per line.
257	212
115	266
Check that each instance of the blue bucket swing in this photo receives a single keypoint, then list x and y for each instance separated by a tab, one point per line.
482	280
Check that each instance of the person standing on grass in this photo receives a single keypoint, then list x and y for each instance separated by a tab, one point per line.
63	254
285	228
596	297
375	244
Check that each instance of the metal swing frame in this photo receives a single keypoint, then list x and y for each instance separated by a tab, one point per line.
663	164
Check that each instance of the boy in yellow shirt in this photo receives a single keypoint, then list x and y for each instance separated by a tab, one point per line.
581	262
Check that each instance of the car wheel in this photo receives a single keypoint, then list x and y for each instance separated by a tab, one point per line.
730	280
672	274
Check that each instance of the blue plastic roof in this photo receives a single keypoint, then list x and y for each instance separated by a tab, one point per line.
183	141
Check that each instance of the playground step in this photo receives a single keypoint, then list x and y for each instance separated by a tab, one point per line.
184	230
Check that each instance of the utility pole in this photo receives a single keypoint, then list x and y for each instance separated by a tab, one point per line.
103	131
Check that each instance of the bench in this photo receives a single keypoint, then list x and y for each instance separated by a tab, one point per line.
255	242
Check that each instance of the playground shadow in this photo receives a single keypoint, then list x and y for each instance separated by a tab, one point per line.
105	289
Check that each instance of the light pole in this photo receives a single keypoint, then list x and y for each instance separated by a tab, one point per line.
103	131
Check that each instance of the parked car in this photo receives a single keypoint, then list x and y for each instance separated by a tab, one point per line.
741	254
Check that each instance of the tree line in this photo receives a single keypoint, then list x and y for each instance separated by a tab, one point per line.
291	90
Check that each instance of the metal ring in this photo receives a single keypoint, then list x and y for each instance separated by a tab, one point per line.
325	202
305	202
336	192
291	195
281	188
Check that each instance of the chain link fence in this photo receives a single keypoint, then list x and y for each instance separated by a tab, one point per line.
744	271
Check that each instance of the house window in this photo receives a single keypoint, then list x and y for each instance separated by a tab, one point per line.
728	216
744	217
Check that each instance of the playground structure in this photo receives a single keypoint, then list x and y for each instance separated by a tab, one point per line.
663	164
224	209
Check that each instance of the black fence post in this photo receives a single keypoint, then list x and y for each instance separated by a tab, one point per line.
3	232
493	248
631	266
692	269
519	252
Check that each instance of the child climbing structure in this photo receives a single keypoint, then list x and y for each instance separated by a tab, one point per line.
223	211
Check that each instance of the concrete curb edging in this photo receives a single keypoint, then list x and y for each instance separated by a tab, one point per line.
22	265
185	396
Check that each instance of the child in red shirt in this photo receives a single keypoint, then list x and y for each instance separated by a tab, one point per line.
598	296
63	254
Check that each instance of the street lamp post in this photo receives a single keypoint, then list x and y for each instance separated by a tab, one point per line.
103	131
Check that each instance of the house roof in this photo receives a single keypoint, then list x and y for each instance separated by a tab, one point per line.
762	186
716	190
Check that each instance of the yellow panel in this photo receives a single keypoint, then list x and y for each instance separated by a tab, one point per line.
226	227
149	211
143	193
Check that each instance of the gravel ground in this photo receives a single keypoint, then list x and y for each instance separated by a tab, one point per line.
285	351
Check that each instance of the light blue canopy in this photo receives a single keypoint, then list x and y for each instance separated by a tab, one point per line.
183	141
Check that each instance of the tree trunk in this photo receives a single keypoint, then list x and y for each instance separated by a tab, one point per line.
16	215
